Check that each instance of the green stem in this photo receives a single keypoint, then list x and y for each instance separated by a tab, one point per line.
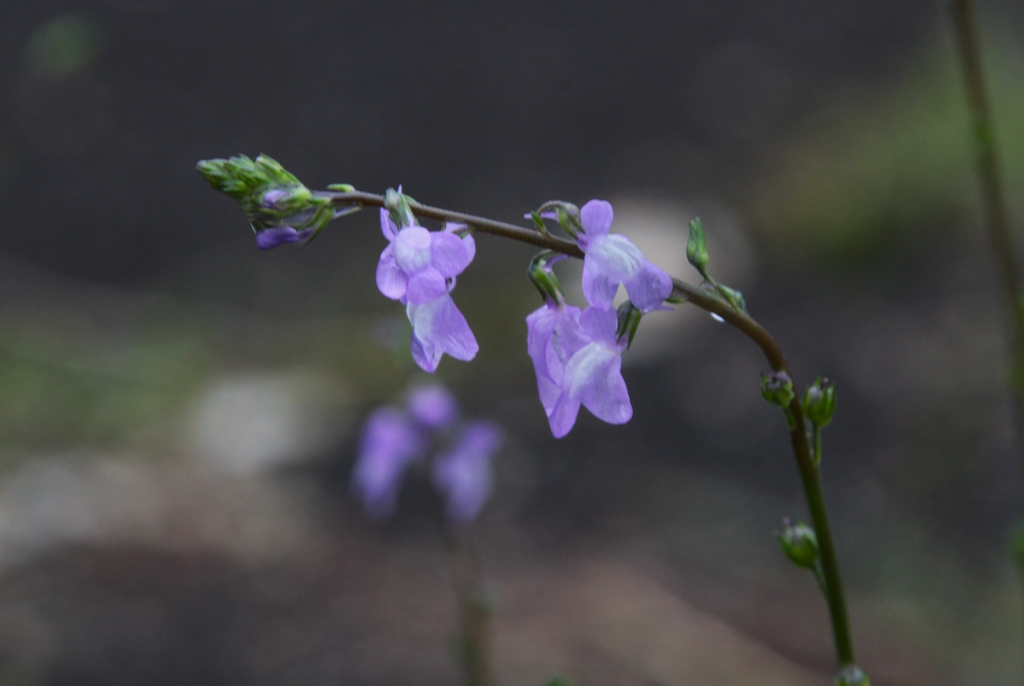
993	198
816	441
474	609
996	215
805	459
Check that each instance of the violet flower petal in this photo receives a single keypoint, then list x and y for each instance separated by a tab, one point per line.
268	239
388	444
610	260
271	197
425	286
433	407
387	226
594	375
438	327
553	335
412	249
449	254
596	218
649	288
391	281
464	474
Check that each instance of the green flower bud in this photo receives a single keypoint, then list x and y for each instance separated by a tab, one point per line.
397	204
696	247
629	318
777	388
734	297
799	543
567	214
820	402
544	278
852	675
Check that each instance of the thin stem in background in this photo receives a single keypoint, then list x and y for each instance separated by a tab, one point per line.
996	216
802	450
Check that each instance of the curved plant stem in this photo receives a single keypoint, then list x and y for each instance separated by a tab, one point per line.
809	474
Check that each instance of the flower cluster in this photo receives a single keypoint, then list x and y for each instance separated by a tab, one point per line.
577	354
460	463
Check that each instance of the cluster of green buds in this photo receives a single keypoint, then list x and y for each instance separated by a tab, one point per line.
272	198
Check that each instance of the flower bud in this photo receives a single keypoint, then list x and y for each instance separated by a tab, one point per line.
777	388
567	214
696	247
629	316
397	204
799	543
852	675
544	278
733	297
820	402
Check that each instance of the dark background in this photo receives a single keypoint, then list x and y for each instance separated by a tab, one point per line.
178	411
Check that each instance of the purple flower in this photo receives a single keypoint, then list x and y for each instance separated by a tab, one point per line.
432	407
592	375
438	328
612	259
388	444
419	265
463	474
553	335
418	268
268	239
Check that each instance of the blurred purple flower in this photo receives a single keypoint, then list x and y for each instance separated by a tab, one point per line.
418	268
592	376
432	407
463	474
612	259
268	239
388	444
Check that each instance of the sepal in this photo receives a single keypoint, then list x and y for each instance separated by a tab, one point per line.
629	316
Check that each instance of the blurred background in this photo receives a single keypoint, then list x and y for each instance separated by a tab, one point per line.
179	411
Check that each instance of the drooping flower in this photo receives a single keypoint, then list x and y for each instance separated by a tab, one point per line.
612	259
418	268
553	335
463	474
593	375
389	443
